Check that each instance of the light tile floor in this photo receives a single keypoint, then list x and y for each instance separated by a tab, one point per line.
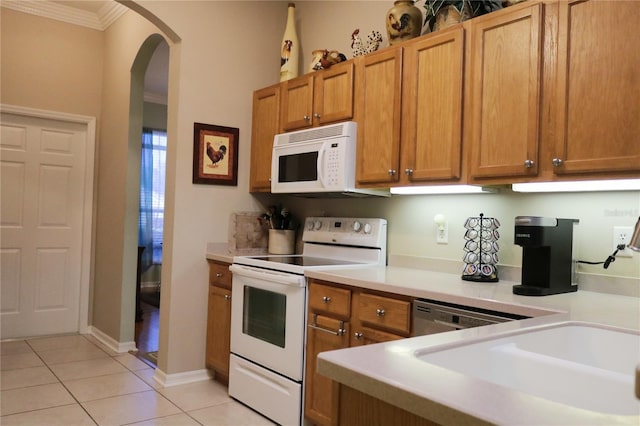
74	380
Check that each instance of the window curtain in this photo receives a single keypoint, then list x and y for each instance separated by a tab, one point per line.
152	177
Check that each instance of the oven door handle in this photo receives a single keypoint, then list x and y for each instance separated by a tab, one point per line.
266	275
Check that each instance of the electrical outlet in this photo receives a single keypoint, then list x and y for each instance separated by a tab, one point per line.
622	235
442	233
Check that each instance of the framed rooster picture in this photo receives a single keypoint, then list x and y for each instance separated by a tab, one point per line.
215	154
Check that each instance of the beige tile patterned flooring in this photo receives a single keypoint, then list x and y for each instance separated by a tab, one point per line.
74	380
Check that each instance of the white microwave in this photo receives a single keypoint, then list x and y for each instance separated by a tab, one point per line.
318	162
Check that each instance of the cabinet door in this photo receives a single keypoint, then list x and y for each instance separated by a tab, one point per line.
598	92
378	91
266	124
505	70
333	94
218	329
297	103
432	102
324	334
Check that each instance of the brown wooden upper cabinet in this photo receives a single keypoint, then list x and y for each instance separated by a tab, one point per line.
378	103
598	93
432	105
505	60
539	91
318	98
409	111
265	125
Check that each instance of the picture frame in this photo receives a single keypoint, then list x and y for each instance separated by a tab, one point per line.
215	154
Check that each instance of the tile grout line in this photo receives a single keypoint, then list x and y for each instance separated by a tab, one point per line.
61	383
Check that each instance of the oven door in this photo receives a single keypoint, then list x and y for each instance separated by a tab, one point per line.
268	319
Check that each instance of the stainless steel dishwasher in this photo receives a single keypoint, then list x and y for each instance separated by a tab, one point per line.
430	317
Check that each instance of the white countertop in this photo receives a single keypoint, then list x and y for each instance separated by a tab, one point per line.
390	372
219	252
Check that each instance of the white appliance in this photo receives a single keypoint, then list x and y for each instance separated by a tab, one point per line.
318	162
268	311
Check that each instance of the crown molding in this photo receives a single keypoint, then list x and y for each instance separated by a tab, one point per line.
107	14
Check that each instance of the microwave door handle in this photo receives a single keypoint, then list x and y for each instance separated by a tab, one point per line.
321	165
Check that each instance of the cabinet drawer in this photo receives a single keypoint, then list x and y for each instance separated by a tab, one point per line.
219	274
392	314
333	300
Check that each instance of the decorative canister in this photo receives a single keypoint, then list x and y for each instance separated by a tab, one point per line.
282	241
290	49
404	21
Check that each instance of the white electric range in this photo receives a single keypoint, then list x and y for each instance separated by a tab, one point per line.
269	305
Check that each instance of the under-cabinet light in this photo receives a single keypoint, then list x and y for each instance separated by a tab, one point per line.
442	189
579	186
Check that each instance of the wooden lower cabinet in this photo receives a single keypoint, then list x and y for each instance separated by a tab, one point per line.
324	334
219	321
359	409
340	317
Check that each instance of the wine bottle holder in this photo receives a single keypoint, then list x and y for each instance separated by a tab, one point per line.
481	249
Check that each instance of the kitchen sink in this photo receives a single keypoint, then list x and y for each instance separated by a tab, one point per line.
583	365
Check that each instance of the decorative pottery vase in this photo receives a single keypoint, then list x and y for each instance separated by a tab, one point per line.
448	16
290	48
404	21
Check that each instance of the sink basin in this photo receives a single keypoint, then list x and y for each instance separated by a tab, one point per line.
583	365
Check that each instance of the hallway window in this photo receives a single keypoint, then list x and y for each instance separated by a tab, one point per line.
152	179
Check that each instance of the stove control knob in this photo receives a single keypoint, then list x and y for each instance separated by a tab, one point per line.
317	225
310	226
357	226
367	228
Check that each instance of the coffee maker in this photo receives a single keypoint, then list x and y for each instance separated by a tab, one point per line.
548	266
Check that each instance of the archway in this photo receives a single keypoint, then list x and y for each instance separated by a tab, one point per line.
147	329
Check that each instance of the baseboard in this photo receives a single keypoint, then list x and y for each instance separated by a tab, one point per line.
111	343
168	380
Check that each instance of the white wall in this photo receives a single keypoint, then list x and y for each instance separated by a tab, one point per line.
226	50
412	231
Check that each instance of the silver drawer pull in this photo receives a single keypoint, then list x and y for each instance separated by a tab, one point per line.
326	299
380	312
357	335
218	274
338	332
227	297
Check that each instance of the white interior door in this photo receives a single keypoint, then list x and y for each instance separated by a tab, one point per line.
43	188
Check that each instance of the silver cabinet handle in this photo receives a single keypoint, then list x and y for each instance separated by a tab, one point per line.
338	332
326	299
408	172
227	297
306	118
391	172
557	162
357	335
316	115
380	312
218	274
528	163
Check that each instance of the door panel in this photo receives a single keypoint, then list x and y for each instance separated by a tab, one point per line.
43	189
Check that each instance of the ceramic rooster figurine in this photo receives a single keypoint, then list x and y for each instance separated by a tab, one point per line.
360	48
